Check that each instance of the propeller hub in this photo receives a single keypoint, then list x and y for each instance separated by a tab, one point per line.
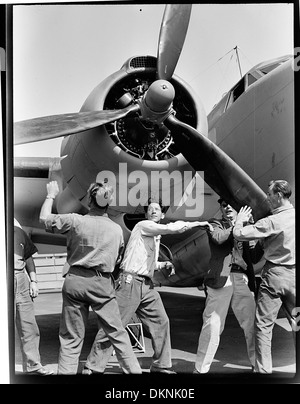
160	96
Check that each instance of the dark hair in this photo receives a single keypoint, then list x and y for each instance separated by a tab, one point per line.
92	193
281	186
154	200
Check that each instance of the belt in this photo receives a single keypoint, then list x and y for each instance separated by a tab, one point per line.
18	271
130	275
237	268
99	273
88	272
273	264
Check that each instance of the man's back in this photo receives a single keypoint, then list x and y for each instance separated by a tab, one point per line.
92	240
277	234
279	246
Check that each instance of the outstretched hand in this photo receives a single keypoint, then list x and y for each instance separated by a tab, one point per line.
245	214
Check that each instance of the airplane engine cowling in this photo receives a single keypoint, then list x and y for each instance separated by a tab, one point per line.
128	152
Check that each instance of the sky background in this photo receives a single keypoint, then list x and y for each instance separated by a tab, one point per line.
61	52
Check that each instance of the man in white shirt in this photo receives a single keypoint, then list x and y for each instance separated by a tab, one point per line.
136	294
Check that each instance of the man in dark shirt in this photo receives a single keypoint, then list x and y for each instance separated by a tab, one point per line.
25	290
227	284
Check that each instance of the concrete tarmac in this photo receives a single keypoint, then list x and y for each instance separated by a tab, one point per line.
184	307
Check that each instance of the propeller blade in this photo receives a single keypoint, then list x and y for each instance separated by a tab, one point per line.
171	38
54	126
221	173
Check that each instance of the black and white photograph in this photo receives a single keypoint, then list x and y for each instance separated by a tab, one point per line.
149	212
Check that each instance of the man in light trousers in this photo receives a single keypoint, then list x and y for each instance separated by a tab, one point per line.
228	283
136	294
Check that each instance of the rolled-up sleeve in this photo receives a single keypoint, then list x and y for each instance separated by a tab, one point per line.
260	230
59	223
29	247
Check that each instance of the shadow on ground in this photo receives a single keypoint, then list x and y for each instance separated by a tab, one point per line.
185	313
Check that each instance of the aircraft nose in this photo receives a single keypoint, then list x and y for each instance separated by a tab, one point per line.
160	96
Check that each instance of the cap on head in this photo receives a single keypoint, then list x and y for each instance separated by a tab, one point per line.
223	203
102	194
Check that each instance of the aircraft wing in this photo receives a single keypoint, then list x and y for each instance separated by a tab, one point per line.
30	178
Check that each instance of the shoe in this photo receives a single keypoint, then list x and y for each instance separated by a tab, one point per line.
88	372
167	371
196	372
42	372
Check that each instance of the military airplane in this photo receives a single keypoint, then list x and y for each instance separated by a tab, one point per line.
145	130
